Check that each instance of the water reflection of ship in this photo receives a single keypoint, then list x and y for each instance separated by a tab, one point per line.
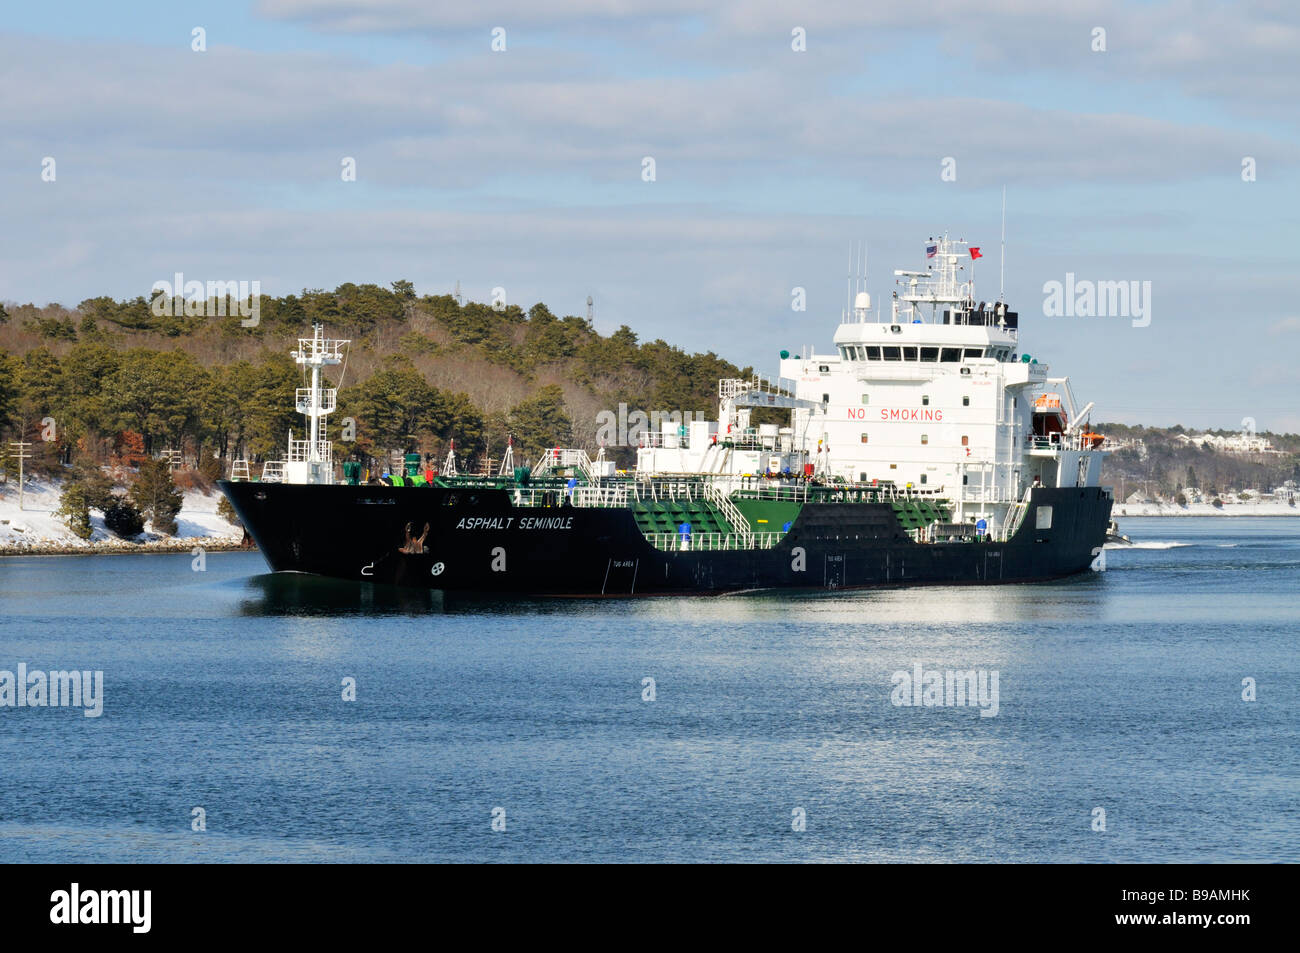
300	594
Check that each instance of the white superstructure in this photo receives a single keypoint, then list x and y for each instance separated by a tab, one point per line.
935	397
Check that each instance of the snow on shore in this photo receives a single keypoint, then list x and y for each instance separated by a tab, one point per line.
1205	509
35	529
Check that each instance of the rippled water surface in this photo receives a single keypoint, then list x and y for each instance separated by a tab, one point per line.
1119	690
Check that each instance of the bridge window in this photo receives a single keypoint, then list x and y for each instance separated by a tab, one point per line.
950	355
893	353
974	352
929	354
909	354
873	354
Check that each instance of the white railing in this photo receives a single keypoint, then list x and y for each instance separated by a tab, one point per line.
728	510
582	496
319	350
557	457
670	441
328	400
709	542
1050	442
273	471
729	388
239	471
611	496
755	489
981	494
300	451
657	488
1015	513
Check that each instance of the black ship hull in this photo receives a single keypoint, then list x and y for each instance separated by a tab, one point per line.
478	541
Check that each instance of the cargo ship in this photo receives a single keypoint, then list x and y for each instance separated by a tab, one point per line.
926	449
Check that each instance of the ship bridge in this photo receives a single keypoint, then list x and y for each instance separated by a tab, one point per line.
932	394
879	342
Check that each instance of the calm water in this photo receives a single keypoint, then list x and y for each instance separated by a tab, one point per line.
1119	690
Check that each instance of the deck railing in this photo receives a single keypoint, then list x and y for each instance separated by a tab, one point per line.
328	400
710	542
300	451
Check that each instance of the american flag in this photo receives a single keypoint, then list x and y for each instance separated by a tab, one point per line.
931	251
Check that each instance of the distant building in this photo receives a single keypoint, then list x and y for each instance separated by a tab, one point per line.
1131	443
1235	443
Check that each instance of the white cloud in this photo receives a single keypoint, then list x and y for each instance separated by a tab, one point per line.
1242	52
235	116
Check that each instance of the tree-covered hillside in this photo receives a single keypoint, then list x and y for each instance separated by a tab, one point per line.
1155	463
111	380
119	381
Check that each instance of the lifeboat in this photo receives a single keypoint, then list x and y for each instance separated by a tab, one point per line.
1049	415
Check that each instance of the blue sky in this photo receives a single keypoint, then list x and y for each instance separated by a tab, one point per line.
522	168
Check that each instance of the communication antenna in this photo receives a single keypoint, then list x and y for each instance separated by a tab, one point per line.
459	299
848	282
1002	255
863	286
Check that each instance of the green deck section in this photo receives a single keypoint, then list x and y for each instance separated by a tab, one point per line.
664	516
766	516
763	514
915	514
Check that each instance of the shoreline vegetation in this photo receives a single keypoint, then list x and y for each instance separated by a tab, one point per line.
43	528
128	412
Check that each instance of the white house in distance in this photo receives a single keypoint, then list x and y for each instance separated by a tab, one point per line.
1235	443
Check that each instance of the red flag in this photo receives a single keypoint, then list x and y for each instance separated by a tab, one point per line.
975	252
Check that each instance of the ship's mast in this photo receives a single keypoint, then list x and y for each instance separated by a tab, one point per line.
938	286
312	460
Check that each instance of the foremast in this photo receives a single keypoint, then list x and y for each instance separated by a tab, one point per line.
312	460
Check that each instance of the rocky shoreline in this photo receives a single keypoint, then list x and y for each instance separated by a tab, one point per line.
117	547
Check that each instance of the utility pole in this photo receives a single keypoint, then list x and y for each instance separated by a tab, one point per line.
23	451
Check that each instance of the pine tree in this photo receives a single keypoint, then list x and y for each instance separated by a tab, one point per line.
123	518
74	510
156	496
